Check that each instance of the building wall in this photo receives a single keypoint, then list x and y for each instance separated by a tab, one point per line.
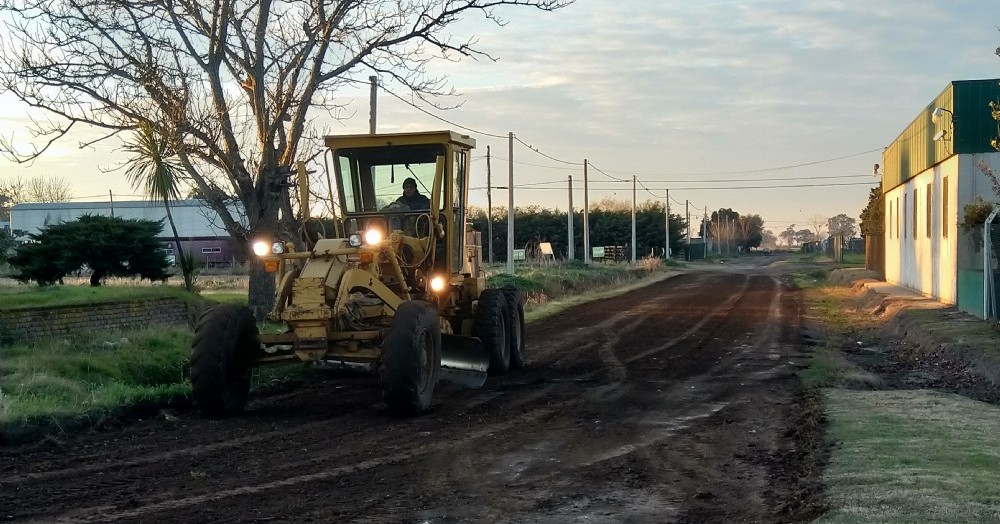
214	252
941	261
199	228
192	217
919	257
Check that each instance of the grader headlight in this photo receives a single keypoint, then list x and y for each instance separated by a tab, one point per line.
438	284
373	237
262	248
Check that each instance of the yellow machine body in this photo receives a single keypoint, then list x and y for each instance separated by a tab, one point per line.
338	296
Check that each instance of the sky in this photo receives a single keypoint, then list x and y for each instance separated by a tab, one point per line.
719	101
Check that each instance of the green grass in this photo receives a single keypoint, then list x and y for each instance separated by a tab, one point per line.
546	283
228	297
14	297
899	456
90	372
854	259
911	456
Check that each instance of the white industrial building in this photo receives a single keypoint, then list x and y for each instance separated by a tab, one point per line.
930	173
199	228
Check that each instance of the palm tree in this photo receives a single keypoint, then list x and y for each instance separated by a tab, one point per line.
152	168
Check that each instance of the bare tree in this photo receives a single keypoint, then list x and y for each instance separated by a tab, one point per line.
35	189
231	85
817	222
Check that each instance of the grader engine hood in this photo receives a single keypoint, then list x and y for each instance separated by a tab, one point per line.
329	281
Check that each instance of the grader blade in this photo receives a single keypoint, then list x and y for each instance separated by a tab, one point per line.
464	360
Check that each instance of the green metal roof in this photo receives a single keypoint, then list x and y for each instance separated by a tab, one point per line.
968	129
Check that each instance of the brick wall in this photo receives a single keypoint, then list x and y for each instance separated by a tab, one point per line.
52	321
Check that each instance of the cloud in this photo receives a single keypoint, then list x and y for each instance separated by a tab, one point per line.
666	88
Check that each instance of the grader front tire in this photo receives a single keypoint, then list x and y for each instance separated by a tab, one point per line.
515	315
411	359
224	344
491	328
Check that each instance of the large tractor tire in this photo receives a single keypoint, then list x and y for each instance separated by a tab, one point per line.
224	345
411	359
491	328
515	326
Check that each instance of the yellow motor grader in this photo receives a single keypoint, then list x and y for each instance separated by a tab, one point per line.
395	291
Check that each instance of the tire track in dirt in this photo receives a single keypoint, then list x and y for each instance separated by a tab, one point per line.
608	328
494	444
106	513
552	446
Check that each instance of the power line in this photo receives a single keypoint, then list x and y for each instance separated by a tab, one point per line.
536	150
432	115
536	188
616	179
765	169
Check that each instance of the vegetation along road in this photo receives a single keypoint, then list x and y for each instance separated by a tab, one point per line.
676	402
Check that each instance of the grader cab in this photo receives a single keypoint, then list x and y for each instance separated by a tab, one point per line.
395	291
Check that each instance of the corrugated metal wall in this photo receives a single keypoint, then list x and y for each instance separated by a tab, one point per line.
974	123
970	131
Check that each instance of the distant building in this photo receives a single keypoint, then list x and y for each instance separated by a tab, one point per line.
199	227
930	173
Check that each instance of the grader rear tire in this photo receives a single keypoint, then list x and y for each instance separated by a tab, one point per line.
491	328
224	344
411	359
515	315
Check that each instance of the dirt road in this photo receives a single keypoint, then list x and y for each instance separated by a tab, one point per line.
673	403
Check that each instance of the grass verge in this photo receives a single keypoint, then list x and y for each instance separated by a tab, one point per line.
15	297
911	456
897	456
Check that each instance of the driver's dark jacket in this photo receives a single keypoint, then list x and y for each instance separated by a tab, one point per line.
416	202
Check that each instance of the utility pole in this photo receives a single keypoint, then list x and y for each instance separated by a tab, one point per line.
666	248
569	223
704	226
633	219
373	103
510	205
729	236
112	199
718	233
687	214
586	217
489	206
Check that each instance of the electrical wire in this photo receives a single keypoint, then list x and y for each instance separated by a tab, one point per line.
535	188
536	150
432	115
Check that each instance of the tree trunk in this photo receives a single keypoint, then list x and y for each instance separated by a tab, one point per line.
262	284
186	268
262	287
96	276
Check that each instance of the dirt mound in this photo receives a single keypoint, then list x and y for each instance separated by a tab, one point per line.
928	343
849	276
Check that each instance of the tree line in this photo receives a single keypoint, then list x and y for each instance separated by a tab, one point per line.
611	225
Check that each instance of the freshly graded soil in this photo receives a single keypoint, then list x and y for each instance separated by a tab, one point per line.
677	402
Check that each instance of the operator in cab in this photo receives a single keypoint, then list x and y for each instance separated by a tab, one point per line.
412	198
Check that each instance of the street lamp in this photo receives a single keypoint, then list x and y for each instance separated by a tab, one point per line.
939	112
